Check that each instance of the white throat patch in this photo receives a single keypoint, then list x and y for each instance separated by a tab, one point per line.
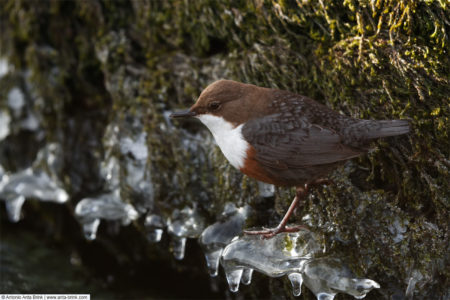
228	137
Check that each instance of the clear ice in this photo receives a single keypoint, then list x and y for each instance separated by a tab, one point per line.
154	224
16	100
294	255
133	148
4	67
5	120
326	277
15	188
106	206
36	182
126	172
266	190
218	235
184	224
415	278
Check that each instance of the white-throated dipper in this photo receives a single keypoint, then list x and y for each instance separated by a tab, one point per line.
282	138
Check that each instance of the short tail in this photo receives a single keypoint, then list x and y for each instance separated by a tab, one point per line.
388	128
361	133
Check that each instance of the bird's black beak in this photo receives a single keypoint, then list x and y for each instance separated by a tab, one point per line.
183	114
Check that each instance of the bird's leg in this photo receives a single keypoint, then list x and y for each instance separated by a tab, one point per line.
301	192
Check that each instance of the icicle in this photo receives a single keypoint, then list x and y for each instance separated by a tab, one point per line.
217	236
14	208
90	229
247	276
296	281
178	245
233	278
89	211
212	261
187	223
154	225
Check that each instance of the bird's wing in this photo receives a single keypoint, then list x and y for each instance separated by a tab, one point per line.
291	142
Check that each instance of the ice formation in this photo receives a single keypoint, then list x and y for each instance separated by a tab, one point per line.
278	256
398	228
154	225
218	235
415	278
133	148
326	277
266	190
17	187
106	206
291	254
184	224
4	67
126	173
36	182
5	120
16	100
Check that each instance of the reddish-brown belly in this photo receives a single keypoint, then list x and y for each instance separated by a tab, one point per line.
253	169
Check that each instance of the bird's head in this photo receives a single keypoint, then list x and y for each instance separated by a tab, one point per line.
229	101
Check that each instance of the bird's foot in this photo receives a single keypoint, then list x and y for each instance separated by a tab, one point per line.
271	232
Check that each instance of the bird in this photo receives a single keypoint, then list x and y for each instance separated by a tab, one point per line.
283	138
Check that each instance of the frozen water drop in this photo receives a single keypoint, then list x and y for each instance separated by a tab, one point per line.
14	207
90	229
233	278
16	100
325	296
178	247
212	261
247	276
296	281
5	120
154	225
266	190
4	67
61	196
155	235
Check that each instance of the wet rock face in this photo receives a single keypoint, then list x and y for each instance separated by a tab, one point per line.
86	88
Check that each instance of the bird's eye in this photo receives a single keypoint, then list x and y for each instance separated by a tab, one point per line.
214	105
